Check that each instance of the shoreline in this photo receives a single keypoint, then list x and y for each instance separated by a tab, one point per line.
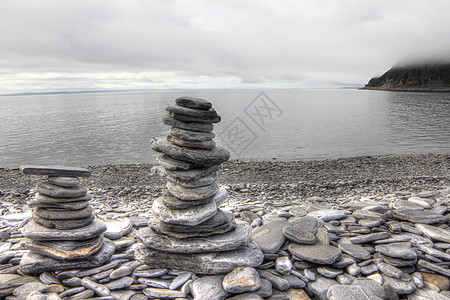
278	181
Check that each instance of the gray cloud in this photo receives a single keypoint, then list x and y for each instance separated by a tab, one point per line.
83	44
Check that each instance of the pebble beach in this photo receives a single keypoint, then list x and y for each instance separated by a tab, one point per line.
379	224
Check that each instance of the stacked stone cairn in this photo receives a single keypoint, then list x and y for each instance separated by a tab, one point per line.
188	231
63	232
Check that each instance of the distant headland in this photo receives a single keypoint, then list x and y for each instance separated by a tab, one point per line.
415	77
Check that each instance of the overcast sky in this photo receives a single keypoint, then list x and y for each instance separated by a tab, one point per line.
48	45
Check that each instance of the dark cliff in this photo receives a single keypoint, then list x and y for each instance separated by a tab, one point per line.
419	77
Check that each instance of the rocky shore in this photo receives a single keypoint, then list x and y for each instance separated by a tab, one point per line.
367	227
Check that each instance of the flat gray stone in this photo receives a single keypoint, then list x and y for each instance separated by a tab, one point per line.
202	181
189	175
98	289
117	228
120	283
219	242
62	214
389	270
397	250
418	216
35	231
355	251
46	199
320	287
186	118
194	136
367	238
62	171
195	103
23	291
404	204
270	236
51	190
174	164
200	157
425	294
192	112
61	205
63	224
318	253
64	181
155	293
194	126
174	203
328	214
433	267
209	288
303	230
196	193
206	145
403	286
189	217
372	288
348	292
241	280
435	233
221	222
203	263
33	263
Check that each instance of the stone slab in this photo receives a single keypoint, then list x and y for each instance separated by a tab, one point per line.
192	102
62	171
202	263
203	127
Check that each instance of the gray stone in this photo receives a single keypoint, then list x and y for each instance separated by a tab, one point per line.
270	236
318	253
329	272
403	286
117	228
155	293
51	190
64	224
246	296
48	278
33	263
372	288
155	282
221	222
355	251
303	230
24	290
195	103
265	290
189	217
194	136
35	295
124	294
320	287
367	238
435	233
192	112
433	267
189	194
63	214
348	292
189	175
98	289
219	242
353	269
86	294
283	265
194	126
174	164
345	279
61	205
189	119
414	216
328	214
203	263
433	252
206	145
65	250
389	270
35	231
406	205
241	280
121	283
397	250
174	203
202	181
62	171
180	280
200	157
146	272
424	202
120	272
209	288
425	294
64	181
277	282
46	199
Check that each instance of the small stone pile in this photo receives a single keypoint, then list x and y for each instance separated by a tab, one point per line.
188	231
63	232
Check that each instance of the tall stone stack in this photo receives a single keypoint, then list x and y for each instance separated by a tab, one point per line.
188	231
63	232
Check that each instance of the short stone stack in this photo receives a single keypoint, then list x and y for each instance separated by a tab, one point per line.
63	232
188	231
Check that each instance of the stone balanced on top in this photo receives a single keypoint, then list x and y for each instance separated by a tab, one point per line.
188	231
63	232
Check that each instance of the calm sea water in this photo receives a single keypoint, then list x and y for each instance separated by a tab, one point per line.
106	128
